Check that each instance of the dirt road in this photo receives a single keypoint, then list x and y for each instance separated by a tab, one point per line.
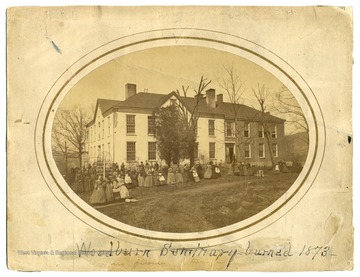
194	207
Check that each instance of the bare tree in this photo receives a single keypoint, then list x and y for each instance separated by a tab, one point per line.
262	96
285	103
234	88
190	114
70	129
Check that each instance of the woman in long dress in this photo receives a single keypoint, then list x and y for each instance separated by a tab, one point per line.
171	176
209	172
98	195
149	176
108	191
178	175
124	192
141	176
128	180
216	171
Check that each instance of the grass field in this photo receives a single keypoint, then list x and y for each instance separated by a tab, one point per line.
194	207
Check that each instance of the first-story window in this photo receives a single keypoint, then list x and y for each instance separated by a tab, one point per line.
247	152
261	150
212	150
151	151
130	151
275	150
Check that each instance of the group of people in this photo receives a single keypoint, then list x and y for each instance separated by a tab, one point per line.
108	190
240	169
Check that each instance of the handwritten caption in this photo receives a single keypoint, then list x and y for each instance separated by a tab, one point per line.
226	255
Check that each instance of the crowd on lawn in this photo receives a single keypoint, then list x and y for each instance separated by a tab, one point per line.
115	184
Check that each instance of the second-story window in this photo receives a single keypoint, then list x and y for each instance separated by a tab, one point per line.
211	127
130	124
247	130
151	125
274	131
261	130
229	129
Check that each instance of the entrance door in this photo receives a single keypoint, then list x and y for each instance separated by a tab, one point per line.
229	152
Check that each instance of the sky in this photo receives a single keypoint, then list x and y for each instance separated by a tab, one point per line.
164	69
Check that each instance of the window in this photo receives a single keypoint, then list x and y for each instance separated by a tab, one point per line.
275	150
151	151
103	129
130	124
261	130
99	130
247	153
212	150
229	129
274	131
109	129
103	151
151	125
211	127
130	151
247	130
196	150
173	101
261	150
108	148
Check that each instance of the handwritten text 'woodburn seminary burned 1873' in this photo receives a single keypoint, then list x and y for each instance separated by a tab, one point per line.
227	256
86	249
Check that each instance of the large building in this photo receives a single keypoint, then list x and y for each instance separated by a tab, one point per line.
123	131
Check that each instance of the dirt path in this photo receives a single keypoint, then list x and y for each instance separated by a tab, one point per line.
198	207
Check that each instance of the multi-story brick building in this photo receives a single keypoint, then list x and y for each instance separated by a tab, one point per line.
123	131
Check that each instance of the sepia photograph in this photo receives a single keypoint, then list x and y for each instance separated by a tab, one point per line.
179	139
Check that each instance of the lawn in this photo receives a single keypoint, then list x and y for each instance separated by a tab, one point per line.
195	207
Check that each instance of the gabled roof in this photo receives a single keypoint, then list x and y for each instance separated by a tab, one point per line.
143	100
228	110
104	105
150	101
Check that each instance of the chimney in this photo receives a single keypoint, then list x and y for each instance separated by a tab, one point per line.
219	98
130	90
210	98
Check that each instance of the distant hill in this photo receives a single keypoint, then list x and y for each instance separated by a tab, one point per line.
297	147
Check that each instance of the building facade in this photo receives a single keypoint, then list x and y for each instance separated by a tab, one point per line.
123	131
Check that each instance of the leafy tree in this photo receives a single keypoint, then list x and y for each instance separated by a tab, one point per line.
169	132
